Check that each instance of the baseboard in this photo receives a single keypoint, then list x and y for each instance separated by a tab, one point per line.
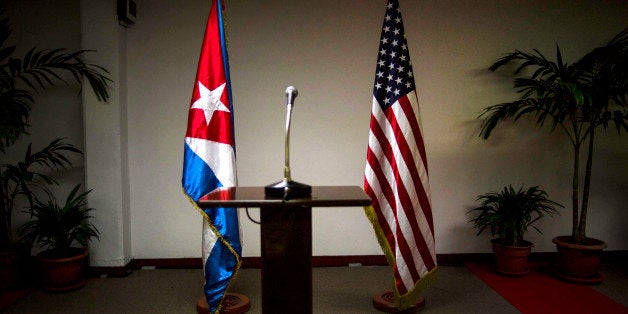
461	258
117	271
167	263
256	262
328	261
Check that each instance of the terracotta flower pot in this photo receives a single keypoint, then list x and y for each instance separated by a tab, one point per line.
512	260
62	274
579	262
15	266
9	270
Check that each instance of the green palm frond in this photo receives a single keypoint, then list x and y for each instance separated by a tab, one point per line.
23	177
14	112
605	76
40	69
36	70
509	213
59	226
545	93
52	156
550	91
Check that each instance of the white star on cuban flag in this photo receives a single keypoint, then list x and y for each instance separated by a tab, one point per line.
210	101
210	134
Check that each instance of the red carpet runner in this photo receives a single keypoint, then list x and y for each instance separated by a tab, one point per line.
542	292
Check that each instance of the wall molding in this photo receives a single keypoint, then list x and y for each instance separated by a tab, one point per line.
455	259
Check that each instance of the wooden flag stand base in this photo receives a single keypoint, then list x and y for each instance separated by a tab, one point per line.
234	303
385	302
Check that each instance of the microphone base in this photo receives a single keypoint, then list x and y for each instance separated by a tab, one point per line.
288	189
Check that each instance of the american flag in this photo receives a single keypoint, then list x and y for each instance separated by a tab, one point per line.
396	174
209	160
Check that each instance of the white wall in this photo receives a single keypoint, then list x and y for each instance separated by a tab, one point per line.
328	49
106	135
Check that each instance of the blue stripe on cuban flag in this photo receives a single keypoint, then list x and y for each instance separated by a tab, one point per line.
207	165
198	177
201	157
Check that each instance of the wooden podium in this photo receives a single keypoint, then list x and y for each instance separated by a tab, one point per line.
286	239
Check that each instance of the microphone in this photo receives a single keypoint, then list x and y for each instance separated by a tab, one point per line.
287	189
291	94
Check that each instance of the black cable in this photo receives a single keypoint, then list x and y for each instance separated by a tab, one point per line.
250	218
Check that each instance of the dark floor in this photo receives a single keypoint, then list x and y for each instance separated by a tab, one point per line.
336	290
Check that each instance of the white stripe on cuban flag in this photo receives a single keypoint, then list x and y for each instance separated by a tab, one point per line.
221	160
209	241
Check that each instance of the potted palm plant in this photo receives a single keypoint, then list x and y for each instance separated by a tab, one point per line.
508	214
59	227
579	99
20	78
19	182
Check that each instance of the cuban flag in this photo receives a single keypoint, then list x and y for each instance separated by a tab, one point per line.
209	160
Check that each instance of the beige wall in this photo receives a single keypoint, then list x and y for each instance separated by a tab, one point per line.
328	49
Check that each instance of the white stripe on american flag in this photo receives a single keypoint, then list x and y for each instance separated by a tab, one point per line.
411	261
402	219
402	120
403	167
424	225
383	207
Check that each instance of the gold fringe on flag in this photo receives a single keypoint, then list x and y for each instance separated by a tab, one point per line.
409	298
215	231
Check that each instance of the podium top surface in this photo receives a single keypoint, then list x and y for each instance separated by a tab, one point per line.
322	196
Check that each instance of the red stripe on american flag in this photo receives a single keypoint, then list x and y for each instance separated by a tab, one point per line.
404	199
373	161
424	201
389	194
414	126
380	217
379	211
402	193
393	241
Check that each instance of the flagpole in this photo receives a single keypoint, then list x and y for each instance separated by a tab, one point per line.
225	57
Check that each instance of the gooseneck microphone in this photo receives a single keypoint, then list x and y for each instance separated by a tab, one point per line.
287	189
291	94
